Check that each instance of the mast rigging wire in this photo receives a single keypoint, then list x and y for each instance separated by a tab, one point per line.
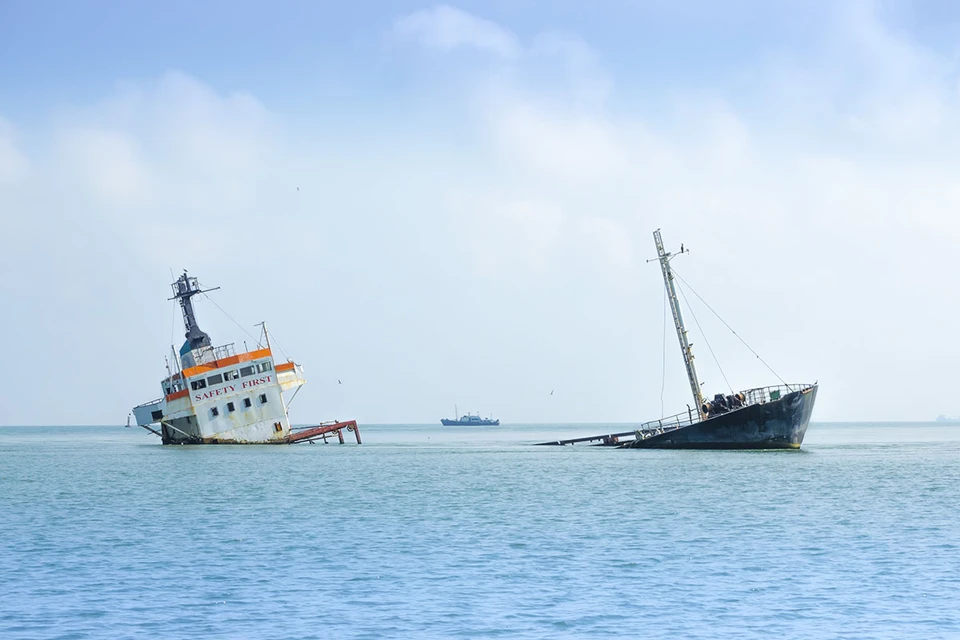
231	318
663	366
274	338
702	333
694	291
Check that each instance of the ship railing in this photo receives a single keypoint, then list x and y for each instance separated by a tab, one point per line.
759	395
224	351
304	427
762	395
208	355
147	404
685	419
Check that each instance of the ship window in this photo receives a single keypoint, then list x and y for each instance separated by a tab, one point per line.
214	412
167	391
230	407
263	398
246	403
217	379
198	384
277	427
156	415
264	366
246	371
231	375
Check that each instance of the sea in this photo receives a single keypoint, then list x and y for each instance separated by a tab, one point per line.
453	532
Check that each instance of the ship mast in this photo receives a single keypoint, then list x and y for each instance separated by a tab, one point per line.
664	257
183	289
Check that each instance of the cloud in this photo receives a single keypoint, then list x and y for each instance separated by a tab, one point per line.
447	28
163	156
865	80
568	146
510	234
13	164
803	191
106	164
589	83
820	219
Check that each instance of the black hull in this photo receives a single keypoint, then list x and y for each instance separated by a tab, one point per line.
777	424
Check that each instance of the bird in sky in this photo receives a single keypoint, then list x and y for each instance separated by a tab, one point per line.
551	391
298	188
338	381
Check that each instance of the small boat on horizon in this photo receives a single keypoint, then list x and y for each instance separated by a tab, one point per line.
469	420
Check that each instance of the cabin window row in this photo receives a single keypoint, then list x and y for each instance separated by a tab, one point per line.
231	407
233	374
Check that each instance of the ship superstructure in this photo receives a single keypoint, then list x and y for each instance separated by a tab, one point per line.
214	395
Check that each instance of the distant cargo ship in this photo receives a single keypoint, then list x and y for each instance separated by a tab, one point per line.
943	418
214	395
469	420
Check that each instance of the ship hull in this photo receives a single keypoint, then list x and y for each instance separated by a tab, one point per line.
183	431
778	424
457	423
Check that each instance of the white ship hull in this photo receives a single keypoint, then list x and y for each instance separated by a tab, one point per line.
218	396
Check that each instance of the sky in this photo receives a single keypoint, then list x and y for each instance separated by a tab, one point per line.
440	205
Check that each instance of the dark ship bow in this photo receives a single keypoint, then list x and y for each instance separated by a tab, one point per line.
771	423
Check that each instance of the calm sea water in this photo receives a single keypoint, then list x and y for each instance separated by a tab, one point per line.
450	532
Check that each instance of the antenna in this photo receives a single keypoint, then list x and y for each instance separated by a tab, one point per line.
266	336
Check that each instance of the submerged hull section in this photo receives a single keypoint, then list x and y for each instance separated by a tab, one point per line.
777	424
187	431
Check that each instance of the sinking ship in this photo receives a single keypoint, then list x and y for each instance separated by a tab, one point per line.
771	417
214	395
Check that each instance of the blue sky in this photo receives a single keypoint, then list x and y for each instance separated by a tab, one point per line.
478	183
298	56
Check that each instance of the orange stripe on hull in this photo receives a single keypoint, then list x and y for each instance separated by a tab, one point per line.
201	369
179	394
286	366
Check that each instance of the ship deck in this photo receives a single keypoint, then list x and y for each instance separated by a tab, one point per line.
322	432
